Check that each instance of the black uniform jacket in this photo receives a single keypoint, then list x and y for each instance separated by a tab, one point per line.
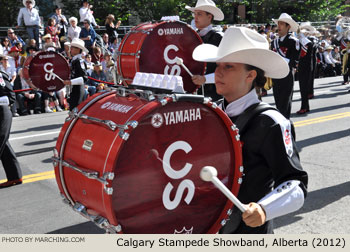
267	163
288	48
213	38
78	69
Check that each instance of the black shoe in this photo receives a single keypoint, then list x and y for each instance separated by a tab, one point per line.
37	112
15	115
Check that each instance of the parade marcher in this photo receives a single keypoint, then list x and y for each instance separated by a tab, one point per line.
288	47
314	41
31	18
346	63
274	183
205	12
7	155
321	64
78	73
305	66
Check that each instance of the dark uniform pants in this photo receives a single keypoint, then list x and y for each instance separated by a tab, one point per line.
7	155
283	94
304	82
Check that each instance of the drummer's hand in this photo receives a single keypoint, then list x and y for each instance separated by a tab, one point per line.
198	79
254	216
67	82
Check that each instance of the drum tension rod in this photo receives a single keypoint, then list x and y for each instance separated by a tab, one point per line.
86	172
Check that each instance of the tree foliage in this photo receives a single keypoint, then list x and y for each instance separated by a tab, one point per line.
258	11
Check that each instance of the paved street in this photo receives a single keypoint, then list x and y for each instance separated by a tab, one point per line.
322	136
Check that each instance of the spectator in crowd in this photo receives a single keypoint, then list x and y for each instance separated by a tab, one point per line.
5	67
15	60
97	54
106	44
31	18
89	64
115	45
111	27
47	40
28	100
108	67
51	29
86	13
46	96
73	30
330	62
88	35
97	74
66	51
32	43
336	55
13	38
11	72
6	47
22	52
61	21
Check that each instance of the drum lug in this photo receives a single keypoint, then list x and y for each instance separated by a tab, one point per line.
229	212
240	180
163	102
108	176
124	135
72	114
108	190
99	221
241	169
223	222
206	100
238	137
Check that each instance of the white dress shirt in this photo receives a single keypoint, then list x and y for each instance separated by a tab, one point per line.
31	17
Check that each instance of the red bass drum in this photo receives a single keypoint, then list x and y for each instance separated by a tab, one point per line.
44	70
132	165
153	48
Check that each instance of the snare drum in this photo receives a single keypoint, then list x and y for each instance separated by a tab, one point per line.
153	48
131	165
41	69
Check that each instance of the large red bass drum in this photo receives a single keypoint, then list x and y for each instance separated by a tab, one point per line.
46	70
132	164
153	48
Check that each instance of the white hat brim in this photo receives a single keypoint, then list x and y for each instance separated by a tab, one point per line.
215	11
270	62
24	2
79	46
293	25
307	27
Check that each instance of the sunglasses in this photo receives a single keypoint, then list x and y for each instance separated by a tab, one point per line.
10	32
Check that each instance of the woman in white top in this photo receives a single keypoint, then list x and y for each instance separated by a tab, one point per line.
74	29
5	46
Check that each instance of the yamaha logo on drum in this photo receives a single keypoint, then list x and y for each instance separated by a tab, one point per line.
170	31
176	117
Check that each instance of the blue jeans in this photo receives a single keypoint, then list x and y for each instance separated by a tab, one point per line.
33	33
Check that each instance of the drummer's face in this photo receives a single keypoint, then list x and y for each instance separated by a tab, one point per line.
233	80
74	50
283	28
202	19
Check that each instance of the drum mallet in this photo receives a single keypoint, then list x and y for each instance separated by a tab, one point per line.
180	62
58	77
209	173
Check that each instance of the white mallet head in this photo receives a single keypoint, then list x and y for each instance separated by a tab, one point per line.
179	61
208	172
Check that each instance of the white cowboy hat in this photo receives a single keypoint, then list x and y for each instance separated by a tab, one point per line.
243	45
307	26
24	2
329	47
46	36
79	44
208	6
284	17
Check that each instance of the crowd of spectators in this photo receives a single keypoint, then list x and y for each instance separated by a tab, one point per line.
58	33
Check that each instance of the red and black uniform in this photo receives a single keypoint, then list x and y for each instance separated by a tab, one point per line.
7	155
288	48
